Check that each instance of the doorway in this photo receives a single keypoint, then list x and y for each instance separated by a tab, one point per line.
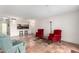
4	28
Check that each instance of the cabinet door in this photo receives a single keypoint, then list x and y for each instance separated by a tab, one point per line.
20	33
25	32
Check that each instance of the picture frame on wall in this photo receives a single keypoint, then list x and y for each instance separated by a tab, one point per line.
22	26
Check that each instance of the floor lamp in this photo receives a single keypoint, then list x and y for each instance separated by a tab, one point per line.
50	26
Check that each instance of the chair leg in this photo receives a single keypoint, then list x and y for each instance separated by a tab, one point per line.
59	41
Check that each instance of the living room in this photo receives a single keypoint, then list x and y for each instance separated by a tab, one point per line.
21	23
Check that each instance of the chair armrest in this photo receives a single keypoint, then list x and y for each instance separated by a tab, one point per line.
18	48
15	42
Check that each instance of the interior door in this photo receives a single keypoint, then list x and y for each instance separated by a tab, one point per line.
4	28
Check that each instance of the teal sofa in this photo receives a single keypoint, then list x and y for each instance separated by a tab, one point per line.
9	45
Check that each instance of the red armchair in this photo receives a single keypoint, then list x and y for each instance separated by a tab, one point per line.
56	36
40	33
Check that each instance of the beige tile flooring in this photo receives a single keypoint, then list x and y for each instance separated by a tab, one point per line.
34	45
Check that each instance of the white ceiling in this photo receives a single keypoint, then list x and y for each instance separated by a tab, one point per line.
36	11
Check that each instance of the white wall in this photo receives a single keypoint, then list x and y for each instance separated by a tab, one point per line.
67	22
13	29
0	27
32	23
41	23
13	26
